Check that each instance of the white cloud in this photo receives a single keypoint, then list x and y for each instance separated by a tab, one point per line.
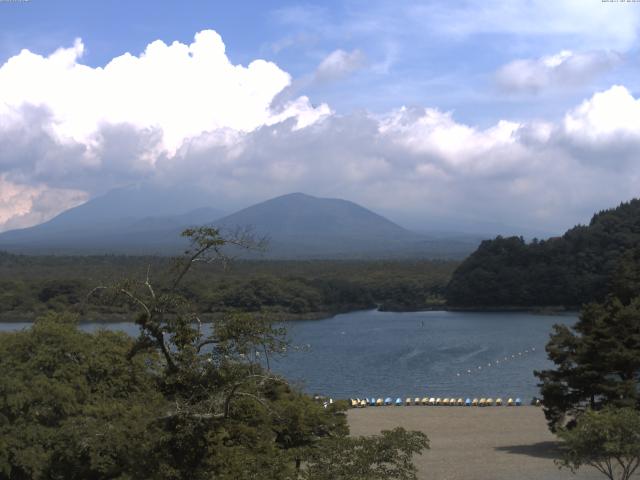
605	116
180	89
184	114
338	64
563	69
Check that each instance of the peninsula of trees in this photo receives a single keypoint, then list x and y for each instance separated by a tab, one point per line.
579	267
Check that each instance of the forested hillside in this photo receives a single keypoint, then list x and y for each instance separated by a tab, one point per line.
32	285
576	268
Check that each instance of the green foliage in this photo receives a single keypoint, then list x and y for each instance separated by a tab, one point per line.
72	405
297	289
175	403
382	457
598	361
607	440
571	270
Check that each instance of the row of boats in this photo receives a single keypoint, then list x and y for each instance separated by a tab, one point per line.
451	402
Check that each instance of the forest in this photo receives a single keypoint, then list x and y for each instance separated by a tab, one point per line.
579	267
33	285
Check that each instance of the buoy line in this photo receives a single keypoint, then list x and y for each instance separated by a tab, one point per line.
496	363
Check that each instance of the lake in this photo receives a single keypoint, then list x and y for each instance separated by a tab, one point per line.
371	353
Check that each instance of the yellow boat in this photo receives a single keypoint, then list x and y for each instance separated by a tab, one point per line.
417	401
438	401
379	402
489	402
460	402
432	401
363	403
482	402
407	401
452	402
510	402
474	402
425	401
354	402
498	402
445	402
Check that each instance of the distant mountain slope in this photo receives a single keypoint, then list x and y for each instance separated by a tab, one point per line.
144	220
581	266
136	219
303	226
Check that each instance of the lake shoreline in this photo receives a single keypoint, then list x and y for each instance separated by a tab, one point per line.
93	317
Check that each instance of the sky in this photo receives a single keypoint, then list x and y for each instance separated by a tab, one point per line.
517	112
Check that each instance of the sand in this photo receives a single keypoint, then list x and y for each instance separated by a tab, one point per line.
471	443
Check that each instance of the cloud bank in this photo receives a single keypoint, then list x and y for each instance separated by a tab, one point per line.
563	69
186	114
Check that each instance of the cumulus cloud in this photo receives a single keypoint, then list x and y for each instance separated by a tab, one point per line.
563	69
184	114
180	89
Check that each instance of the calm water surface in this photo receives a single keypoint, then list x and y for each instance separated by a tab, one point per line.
370	353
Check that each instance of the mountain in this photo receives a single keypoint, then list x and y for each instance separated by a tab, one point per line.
148	220
139	219
303	226
583	265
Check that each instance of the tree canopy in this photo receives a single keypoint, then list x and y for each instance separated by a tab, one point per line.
571	270
607	440
178	402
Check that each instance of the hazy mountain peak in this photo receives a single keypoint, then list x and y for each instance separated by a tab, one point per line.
149	220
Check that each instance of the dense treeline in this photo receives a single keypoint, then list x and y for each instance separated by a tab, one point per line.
576	268
33	285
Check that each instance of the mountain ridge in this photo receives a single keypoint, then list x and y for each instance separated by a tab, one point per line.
299	226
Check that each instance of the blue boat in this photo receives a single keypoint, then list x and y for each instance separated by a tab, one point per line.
467	402
398	402
372	402
518	402
388	401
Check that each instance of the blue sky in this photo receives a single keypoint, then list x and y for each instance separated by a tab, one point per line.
482	72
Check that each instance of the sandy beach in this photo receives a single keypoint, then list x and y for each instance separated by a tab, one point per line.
492	443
